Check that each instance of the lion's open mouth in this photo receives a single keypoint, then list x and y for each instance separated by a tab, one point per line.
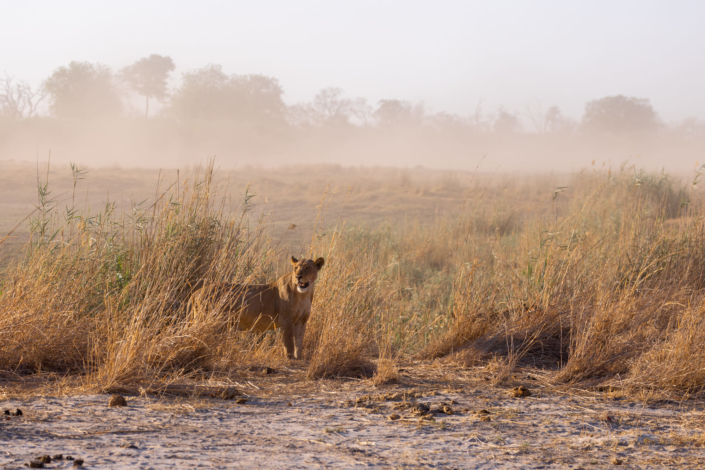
302	285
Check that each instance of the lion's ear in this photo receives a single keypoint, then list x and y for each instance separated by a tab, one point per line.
294	260
320	262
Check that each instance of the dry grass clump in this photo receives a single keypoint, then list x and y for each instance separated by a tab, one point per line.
600	293
105	295
599	281
339	337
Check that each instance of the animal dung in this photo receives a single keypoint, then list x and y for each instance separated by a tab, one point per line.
117	400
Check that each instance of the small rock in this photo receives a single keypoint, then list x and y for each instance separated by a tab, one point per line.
289	404
521	391
35	464
480	412
17	412
241	401
485	418
78	463
68	457
394	417
616	461
117	400
6	412
58	457
45	458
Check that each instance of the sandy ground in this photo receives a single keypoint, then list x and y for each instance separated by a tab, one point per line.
346	424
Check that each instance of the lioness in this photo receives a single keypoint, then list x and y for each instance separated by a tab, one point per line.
284	303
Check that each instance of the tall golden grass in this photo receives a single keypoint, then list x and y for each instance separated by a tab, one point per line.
603	281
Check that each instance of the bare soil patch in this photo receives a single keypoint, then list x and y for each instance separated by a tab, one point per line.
433	417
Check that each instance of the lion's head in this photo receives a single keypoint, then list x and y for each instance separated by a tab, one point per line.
306	272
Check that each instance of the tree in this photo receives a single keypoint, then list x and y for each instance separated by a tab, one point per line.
620	115
689	127
148	77
506	122
330	107
209	93
550	120
261	96
396	112
83	90
18	100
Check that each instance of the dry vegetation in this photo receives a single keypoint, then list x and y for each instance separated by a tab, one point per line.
597	278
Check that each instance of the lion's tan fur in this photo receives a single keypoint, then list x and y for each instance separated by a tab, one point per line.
261	307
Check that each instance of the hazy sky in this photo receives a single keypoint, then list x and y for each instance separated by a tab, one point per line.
449	54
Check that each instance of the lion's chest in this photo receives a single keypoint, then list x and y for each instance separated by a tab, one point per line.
301	310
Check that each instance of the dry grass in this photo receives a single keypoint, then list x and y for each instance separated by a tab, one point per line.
596	283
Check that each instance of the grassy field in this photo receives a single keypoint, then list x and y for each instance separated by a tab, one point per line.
595	278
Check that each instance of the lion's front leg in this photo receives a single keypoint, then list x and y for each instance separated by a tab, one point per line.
288	338
299	330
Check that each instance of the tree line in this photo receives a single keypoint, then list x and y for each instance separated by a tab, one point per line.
83	90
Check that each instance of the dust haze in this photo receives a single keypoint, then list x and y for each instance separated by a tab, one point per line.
87	113
506	88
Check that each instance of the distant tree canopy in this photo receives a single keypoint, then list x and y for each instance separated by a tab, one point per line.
148	77
620	115
506	122
209	93
83	90
396	112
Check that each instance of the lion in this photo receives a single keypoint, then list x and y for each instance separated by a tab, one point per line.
284	303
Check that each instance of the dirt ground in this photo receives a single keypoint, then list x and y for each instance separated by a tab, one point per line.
425	420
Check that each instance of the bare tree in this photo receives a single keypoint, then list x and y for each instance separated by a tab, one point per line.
148	77
537	116
361	110
330	105
18	99
549	120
